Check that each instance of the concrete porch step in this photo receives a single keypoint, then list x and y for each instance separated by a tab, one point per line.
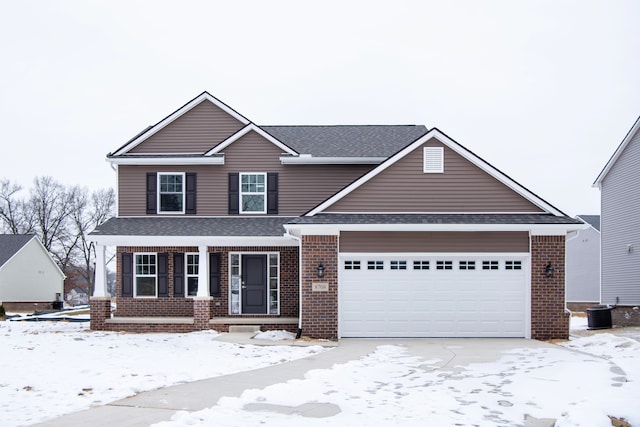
234	329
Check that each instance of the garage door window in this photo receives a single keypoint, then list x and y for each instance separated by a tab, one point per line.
420	265
490	265
398	265
444	265
467	265
375	265
513	265
352	265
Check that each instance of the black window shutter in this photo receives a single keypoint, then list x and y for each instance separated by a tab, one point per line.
127	274
163	275
152	192
191	193
234	193
272	193
178	275
214	274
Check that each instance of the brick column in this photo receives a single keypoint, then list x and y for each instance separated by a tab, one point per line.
100	310
319	307
549	319
201	313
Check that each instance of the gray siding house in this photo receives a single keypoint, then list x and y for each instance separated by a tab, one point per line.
619	184
29	278
583	265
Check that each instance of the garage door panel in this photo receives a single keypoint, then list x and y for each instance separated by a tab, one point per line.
438	303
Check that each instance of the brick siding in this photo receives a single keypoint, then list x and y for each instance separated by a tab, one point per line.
320	309
549	319
100	309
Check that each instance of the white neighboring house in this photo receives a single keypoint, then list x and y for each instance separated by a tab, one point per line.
583	265
29	278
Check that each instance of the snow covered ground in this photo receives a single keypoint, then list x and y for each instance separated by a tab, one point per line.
51	368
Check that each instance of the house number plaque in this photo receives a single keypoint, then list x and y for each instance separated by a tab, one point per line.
319	286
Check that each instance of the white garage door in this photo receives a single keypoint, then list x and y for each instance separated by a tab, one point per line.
433	295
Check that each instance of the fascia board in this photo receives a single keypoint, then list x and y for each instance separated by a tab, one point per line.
242	132
534	229
310	160
193	240
441	137
630	135
210	160
178	113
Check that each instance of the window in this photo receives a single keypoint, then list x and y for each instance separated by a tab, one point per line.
467	265
444	265
234	265
420	265
398	265
171	192
490	265
253	191
274	275
433	158
145	275
375	265
513	265
352	265
192	274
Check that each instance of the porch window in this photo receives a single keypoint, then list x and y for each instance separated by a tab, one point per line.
171	193
253	193
145	275
274	278
234	265
192	274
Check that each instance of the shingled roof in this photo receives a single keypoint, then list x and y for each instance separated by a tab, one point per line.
180	226
10	244
347	141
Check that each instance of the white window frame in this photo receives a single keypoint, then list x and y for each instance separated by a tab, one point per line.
433	160
136	275
187	275
159	190
243	193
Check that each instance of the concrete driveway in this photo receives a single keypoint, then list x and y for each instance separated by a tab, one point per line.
159	405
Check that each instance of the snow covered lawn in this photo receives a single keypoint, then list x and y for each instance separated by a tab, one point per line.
52	368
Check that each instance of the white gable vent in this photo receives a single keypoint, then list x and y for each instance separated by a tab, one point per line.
433	159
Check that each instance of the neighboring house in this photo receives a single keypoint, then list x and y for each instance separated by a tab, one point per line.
583	265
619	184
330	231
76	288
29	278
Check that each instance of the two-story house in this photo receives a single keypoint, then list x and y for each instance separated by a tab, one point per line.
330	231
619	184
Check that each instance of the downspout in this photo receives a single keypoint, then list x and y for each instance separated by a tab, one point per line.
299	239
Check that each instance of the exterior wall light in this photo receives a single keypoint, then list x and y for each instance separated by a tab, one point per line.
320	270
549	270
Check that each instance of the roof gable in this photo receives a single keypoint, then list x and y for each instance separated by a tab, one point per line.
201	106
532	203
616	155
218	149
10	244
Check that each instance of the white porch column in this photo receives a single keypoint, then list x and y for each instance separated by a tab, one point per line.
203	272
100	282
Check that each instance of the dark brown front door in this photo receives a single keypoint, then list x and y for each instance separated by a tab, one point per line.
254	284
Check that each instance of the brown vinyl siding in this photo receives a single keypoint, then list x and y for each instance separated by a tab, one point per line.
404	187
197	131
301	187
401	241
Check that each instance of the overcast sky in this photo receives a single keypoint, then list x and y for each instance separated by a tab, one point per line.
543	90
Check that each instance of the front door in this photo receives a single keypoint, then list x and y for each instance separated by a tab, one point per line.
254	284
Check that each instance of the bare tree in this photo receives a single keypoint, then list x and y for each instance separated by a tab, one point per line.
87	215
12	209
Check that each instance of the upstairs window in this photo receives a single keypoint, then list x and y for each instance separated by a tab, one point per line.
171	192
253	193
433	159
